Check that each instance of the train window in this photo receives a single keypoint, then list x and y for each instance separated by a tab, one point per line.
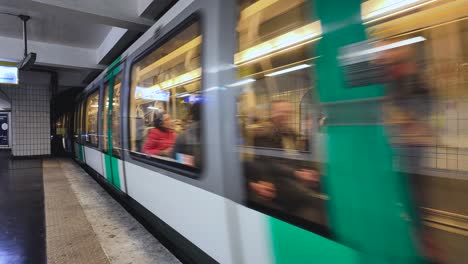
277	111
115	117
116	141
105	121
75	123
92	113
166	99
80	123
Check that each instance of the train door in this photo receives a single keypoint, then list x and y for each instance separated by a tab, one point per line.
112	143
78	134
292	56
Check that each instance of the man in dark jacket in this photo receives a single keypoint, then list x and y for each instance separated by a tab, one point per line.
277	178
187	148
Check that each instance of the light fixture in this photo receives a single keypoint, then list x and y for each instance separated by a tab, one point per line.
95	106
291	69
256	7
171	56
390	8
287	41
185	78
241	82
153	108
384	47
182	95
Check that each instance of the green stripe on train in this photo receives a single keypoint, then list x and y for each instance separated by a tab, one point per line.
112	170
80	153
115	172
112	163
112	70
107	161
292	244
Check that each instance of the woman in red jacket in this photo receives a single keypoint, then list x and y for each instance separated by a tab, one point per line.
161	138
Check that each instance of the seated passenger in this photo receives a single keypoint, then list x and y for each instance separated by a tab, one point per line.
161	138
187	146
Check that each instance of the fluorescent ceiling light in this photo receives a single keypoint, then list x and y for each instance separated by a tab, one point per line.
95	106
256	8
182	95
241	82
153	108
295	68
385	47
294	38
171	56
385	9
185	78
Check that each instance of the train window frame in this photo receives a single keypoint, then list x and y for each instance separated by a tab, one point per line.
169	165
93	91
75	122
80	121
103	147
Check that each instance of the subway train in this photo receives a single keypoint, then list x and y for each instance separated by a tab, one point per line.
268	131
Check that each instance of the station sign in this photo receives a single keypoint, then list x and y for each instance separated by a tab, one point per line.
8	74
4	130
153	94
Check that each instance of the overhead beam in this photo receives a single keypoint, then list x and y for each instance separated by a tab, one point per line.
163	20
72	78
154	9
49	54
115	43
117	13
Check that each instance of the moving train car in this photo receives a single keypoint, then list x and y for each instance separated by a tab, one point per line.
251	131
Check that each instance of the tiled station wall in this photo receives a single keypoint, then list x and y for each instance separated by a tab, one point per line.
30	114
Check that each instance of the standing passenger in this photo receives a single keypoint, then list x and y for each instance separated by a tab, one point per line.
410	100
275	179
187	147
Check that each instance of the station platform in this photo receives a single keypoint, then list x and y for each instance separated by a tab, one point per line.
52	211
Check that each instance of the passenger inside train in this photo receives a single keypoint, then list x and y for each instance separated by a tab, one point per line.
276	180
92	110
161	138
408	108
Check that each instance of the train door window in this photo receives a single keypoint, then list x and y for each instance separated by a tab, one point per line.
165	101
277	110
115	117
105	121
91	123
116	140
75	123
80	123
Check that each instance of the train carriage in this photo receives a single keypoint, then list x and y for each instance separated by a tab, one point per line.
332	189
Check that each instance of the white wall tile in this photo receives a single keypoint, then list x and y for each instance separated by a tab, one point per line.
30	114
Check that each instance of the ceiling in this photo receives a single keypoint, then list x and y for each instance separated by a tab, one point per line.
77	39
45	27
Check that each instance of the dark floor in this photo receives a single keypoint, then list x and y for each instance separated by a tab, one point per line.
22	228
